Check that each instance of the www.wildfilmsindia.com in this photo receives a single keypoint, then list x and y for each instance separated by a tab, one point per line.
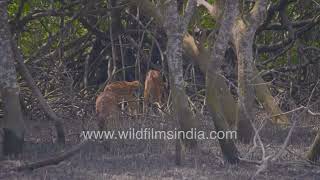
150	133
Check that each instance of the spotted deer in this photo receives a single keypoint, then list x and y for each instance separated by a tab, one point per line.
153	89
107	110
125	91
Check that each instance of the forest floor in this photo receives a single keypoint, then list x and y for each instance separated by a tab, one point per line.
154	159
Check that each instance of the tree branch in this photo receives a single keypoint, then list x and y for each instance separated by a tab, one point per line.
212	9
191	6
258	13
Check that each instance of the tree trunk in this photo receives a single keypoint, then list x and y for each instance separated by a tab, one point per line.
179	97
175	28
36	92
13	137
268	102
115	31
245	112
314	152
223	102
228	148
214	100
243	38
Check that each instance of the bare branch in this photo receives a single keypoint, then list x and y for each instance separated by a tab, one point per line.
295	24
212	9
313	113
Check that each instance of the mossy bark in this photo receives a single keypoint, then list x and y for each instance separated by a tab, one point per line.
214	100
226	106
214	94
243	34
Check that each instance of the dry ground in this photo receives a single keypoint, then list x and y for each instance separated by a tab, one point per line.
154	159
